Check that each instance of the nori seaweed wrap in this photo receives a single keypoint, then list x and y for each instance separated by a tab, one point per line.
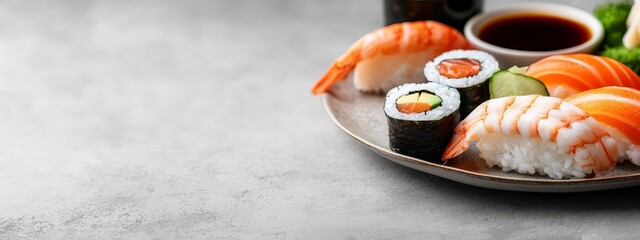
467	71
422	133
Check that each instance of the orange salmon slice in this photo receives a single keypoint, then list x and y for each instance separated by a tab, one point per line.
458	68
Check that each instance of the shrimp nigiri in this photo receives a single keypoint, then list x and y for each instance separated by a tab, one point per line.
565	75
532	134
391	56
618	109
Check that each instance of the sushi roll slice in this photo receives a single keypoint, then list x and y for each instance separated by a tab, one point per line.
467	71
421	118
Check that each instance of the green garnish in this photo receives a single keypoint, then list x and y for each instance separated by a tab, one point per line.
613	16
627	56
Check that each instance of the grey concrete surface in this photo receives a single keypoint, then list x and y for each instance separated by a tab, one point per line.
193	120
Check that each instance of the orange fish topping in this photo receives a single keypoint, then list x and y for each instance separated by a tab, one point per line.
413	107
458	68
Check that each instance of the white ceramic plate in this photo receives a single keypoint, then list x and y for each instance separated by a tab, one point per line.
361	116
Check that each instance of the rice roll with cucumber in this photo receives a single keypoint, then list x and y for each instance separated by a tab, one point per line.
465	70
421	118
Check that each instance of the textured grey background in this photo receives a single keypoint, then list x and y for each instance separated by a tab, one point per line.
193	119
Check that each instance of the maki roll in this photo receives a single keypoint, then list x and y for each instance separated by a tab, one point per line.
421	118
467	71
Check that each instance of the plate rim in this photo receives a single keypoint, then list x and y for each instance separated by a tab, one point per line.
491	181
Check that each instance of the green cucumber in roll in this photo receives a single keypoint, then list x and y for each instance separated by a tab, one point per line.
511	82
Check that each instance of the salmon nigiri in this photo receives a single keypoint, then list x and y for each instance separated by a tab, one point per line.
534	133
391	56
565	75
617	108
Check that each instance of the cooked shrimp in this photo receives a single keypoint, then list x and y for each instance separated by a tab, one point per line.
567	134
392	55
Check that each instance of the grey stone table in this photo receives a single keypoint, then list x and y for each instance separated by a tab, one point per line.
193	120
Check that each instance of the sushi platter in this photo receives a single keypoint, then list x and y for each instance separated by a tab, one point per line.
361	117
422	95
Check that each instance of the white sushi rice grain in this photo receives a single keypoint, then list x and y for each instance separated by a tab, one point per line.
488	65
529	156
450	101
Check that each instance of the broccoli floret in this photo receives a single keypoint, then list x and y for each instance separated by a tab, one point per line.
627	56
613	15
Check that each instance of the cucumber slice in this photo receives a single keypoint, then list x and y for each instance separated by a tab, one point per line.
507	83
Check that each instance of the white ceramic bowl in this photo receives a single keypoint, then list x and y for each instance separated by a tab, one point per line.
509	57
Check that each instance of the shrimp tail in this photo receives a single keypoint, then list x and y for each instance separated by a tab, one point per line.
340	69
334	74
465	132
457	145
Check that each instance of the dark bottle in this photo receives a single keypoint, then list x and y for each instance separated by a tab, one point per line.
454	13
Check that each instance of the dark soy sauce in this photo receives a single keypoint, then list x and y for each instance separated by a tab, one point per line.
534	33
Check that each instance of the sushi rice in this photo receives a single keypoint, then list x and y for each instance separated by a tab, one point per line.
450	101
529	156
